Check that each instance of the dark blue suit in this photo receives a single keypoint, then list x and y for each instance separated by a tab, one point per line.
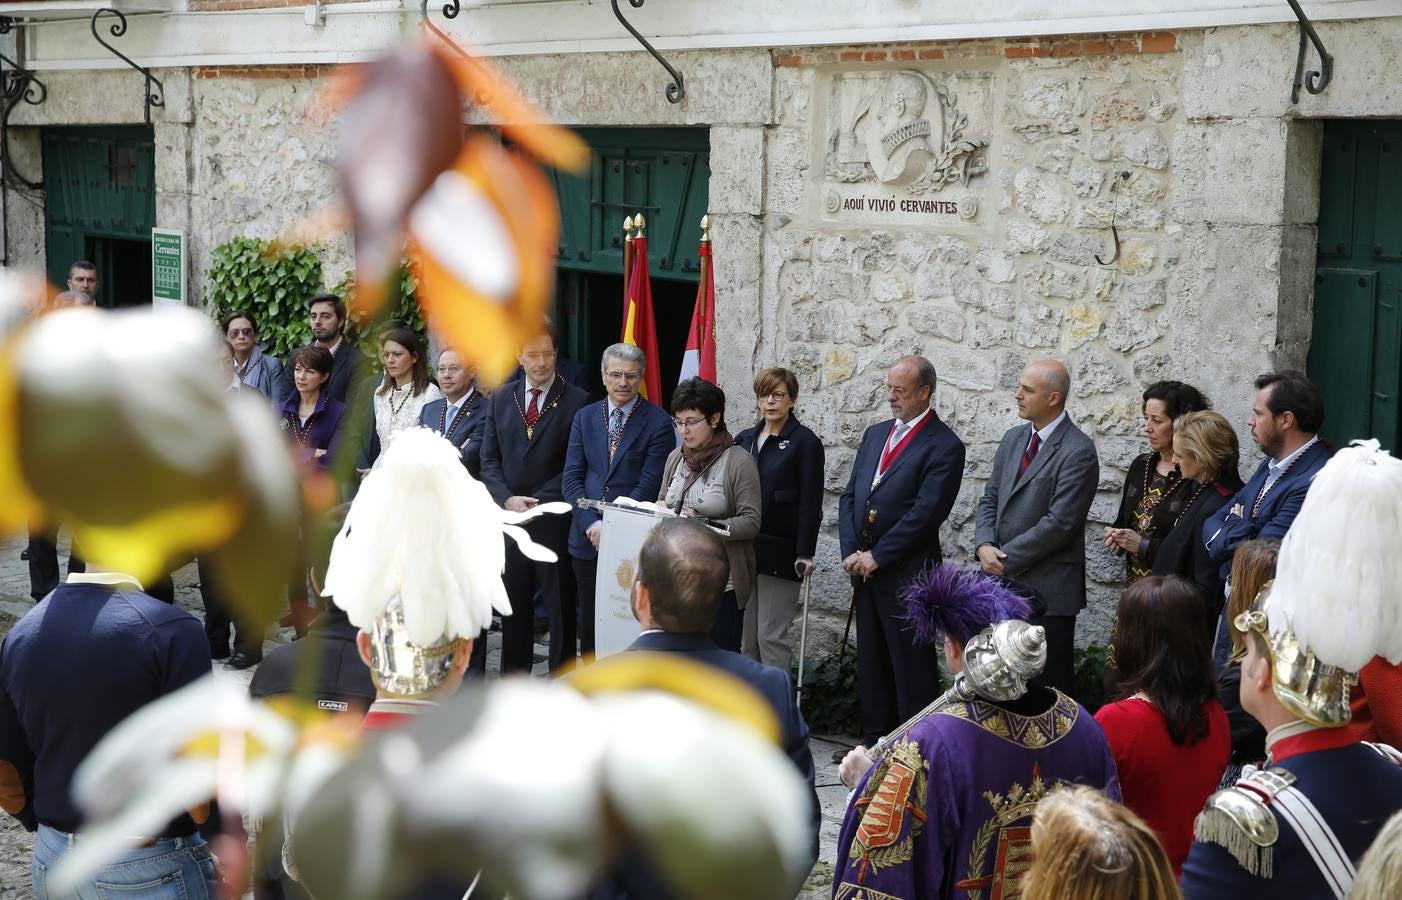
514	465
1355	790
634	876
898	521
467	435
1224	532
635	471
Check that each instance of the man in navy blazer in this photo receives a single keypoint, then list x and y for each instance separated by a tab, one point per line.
1285	420
617	448
523	462
682	571
901	490
460	415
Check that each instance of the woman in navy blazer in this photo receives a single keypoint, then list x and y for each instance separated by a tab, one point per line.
790	461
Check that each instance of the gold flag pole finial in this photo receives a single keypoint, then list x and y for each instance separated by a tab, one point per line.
639	223
628	228
706	229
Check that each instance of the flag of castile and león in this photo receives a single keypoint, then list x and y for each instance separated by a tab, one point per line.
699	361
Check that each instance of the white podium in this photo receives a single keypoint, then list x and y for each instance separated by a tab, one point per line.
625	529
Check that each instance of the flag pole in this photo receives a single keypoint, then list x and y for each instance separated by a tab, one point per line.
627	254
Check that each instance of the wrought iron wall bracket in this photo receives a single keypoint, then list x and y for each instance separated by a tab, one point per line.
155	91
1315	80
677	89
16	84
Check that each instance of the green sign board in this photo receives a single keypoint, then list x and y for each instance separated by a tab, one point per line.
167	266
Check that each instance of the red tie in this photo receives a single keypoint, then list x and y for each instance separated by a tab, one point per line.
1029	454
533	410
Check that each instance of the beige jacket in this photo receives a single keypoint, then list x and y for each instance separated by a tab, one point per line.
740	484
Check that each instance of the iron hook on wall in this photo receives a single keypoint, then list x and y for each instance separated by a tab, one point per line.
450	9
1114	216
155	91
676	90
17	83
1315	80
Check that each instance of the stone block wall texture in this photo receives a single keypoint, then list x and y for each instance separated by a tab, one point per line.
1083	135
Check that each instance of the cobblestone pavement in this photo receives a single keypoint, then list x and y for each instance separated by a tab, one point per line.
16	844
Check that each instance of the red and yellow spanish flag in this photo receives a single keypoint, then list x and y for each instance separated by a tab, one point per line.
699	360
639	326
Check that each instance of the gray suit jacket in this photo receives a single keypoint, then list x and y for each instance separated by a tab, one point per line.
1040	519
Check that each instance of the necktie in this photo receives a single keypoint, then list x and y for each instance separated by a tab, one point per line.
1029	454
449	416
615	430
898	433
533	410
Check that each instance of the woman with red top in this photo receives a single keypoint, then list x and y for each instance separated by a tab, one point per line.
1169	735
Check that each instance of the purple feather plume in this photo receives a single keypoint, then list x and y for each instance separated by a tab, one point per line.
958	601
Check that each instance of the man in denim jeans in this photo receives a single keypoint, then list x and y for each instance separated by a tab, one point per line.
91	653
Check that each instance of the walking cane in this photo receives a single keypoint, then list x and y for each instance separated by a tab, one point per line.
807	579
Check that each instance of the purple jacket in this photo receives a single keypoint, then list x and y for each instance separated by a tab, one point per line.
323	431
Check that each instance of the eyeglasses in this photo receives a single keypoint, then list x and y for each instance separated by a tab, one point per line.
775	395
450	370
629	377
538	357
684	424
240	332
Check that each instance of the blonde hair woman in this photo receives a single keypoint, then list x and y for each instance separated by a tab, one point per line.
1088	847
1205	447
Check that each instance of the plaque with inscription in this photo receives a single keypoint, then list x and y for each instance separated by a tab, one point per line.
904	147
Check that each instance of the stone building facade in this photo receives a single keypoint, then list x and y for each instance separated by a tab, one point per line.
980	238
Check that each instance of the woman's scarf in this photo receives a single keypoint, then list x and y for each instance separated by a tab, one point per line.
700	459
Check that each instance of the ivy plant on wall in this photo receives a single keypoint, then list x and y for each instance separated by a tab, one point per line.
271	280
402	306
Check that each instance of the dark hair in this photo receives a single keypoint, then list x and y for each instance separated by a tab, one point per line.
774	378
685	568
314	357
1162	649
409	339
1178	398
337	304
1292	392
238	314
702	396
925	374
81	264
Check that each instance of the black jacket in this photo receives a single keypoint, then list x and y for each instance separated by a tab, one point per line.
514	465
1182	551
791	506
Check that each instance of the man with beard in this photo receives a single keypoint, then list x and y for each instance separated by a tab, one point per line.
327	316
1285	418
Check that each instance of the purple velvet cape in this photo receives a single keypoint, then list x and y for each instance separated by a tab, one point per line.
946	811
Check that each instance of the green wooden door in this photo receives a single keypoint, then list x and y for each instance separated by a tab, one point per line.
663	173
100	205
1356	347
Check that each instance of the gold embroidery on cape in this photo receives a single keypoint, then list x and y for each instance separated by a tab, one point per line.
849	891
897	786
1014	848
1034	732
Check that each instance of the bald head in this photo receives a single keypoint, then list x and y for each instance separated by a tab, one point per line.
910	386
1042	389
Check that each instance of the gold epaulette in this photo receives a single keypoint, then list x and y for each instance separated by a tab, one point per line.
1239	819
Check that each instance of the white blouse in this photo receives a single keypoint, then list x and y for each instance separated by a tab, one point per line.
398	408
